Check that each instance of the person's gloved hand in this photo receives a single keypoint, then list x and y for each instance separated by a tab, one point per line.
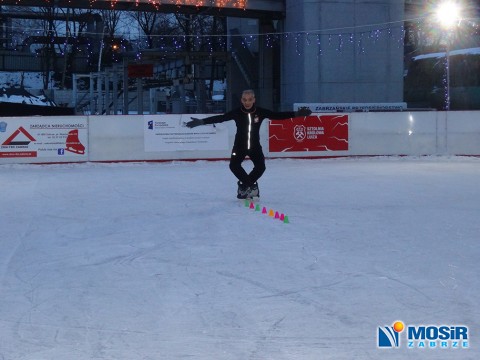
303	111
194	122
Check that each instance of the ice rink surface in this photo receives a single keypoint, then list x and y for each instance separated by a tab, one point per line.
159	261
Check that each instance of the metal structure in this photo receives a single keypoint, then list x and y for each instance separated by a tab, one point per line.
109	91
272	9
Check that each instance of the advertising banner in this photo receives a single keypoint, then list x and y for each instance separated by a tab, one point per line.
65	138
351	107
310	133
169	133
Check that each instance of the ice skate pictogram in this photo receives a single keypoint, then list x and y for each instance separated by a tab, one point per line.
73	143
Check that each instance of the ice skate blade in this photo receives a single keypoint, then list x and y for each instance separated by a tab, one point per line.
254	199
75	151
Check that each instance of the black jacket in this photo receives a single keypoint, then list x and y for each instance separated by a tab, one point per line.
248	124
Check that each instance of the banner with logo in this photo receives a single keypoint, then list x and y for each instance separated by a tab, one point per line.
169	133
351	107
422	337
310	133
65	138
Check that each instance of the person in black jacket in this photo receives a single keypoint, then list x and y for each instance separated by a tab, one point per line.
248	118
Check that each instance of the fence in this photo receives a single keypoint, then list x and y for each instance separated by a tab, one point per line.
130	137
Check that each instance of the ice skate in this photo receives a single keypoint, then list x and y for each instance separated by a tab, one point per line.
73	144
243	191
254	191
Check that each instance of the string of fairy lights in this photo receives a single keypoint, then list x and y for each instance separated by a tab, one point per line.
337	38
330	38
360	39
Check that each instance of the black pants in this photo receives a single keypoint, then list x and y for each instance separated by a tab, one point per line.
258	159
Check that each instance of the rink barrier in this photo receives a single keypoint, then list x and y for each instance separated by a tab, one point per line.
118	138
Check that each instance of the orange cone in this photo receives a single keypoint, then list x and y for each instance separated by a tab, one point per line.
271	213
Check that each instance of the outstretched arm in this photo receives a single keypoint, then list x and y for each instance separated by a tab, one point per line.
303	111
194	122
208	120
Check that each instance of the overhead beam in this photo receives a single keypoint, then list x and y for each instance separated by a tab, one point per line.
271	9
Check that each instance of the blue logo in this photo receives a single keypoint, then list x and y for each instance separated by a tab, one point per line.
424	337
388	336
61	151
150	125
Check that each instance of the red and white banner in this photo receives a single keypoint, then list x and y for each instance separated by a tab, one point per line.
310	133
64	138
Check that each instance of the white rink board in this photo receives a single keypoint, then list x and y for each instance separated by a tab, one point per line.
126	138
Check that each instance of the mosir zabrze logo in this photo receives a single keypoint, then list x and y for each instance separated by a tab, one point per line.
423	337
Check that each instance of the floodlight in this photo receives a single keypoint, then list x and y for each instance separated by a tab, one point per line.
448	14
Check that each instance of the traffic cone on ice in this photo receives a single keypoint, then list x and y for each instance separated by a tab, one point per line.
285	220
264	210
282	217
257	208
277	215
271	213
247	203
252	205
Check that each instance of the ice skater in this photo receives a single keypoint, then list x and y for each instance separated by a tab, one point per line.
248	118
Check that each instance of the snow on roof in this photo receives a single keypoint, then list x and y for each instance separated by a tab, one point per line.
437	55
29	80
22	96
13	85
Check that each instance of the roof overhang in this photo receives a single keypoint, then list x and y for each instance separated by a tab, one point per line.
272	9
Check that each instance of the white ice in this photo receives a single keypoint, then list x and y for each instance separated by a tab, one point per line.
159	261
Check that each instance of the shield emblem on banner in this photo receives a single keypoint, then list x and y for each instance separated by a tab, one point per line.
299	133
